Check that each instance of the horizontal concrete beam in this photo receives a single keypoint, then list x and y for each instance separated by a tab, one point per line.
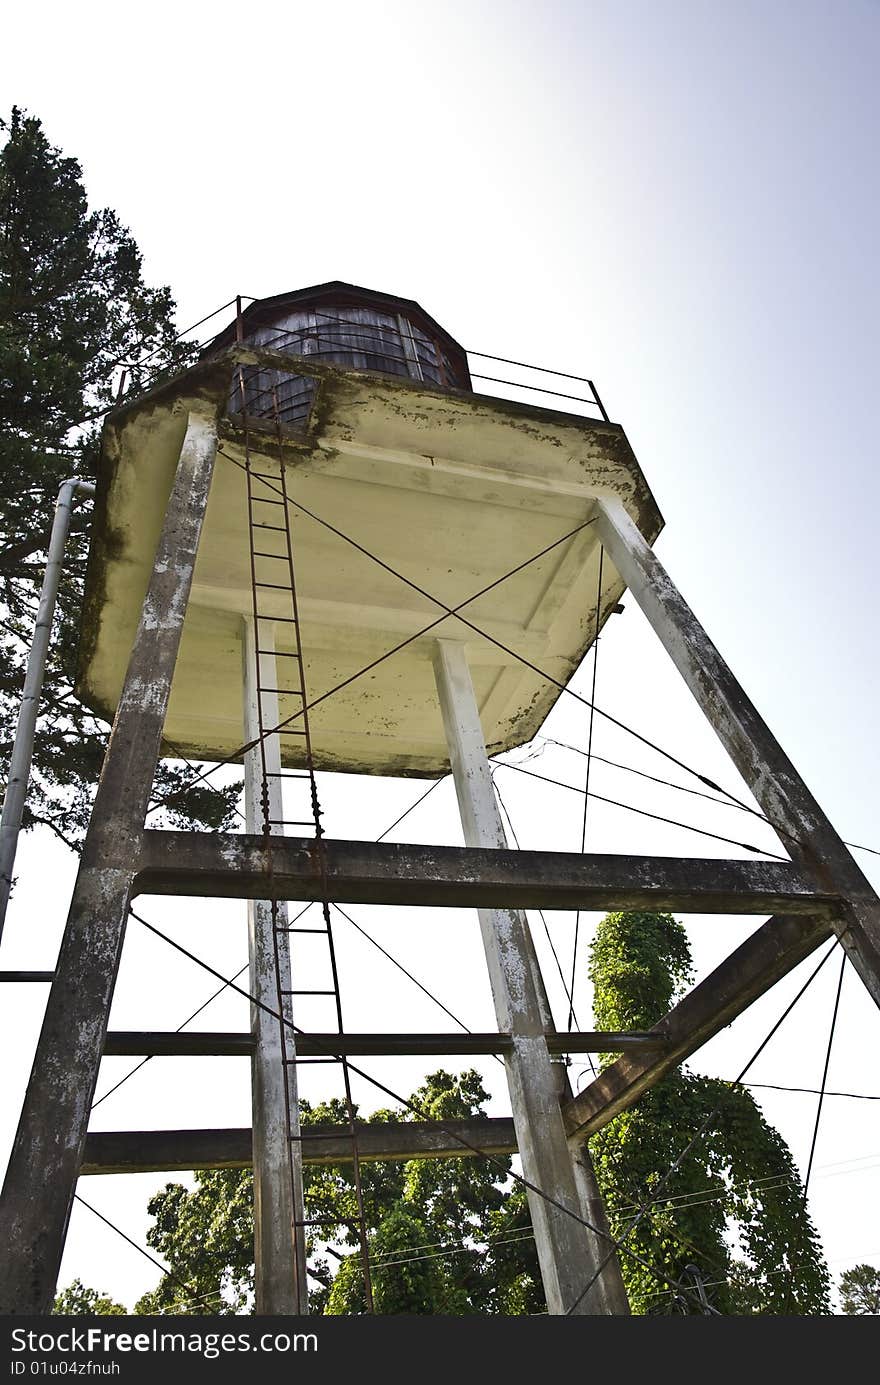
193	1044
233	865
156	1151
749	971
133	1043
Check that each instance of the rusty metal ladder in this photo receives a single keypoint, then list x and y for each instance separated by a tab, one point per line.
274	572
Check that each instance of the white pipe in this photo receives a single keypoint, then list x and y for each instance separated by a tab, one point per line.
23	745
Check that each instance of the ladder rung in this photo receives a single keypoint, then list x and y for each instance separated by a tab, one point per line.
279	653
297	1062
308	992
324	1221
286	774
275	586
288	929
318	1135
276	528
279	732
282	557
286	692
264	500
288	620
291	822
263	475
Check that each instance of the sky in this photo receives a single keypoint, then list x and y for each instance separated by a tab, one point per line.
678	201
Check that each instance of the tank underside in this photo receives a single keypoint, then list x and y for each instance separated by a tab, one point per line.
448	490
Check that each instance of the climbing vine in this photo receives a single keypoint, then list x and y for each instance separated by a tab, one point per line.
734	1209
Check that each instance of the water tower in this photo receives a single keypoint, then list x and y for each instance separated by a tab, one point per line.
319	548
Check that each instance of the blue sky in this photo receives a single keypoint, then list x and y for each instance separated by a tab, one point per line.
679	201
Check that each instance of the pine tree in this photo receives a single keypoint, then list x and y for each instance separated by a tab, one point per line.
74	309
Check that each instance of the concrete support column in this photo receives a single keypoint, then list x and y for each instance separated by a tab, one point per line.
279	1246
807	834
46	1156
568	1252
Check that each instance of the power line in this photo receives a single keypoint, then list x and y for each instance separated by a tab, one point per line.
811	1091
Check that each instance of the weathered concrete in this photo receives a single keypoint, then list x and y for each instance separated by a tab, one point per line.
151	1151
279	1243
762	960
451	489
234	865
44	1165
192	1044
778	788
568	1250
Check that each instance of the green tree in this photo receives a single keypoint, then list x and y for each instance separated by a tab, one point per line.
445	1236
860	1290
78	1301
737	1186
73	308
454	1236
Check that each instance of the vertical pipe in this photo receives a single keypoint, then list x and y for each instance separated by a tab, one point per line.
23	744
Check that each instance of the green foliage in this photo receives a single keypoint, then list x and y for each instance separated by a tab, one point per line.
860	1290
738	1185
638	964
445	1236
454	1236
78	1301
73	307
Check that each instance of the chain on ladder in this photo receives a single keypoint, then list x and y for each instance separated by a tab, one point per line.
259	531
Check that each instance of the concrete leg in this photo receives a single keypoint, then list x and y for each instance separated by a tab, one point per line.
279	1247
46	1156
806	832
567	1250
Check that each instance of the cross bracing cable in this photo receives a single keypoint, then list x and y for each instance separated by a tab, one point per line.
824	1076
616	1244
681	788
449	611
439	1125
243	969
643	812
577	917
